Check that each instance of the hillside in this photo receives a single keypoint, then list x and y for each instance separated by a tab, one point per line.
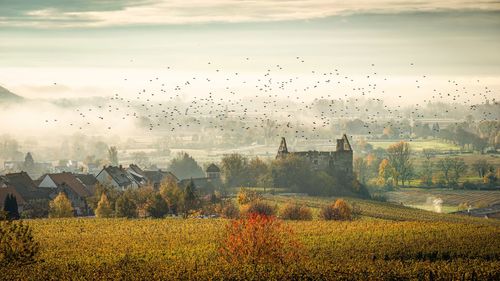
8	96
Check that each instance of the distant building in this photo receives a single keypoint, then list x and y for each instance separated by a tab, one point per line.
71	186
213	171
207	184
339	161
117	177
151	177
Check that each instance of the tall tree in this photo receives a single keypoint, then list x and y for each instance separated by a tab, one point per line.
400	160
10	207
234	170
60	207
452	169
384	171
190	197
172	194
184	166
113	155
481	167
361	169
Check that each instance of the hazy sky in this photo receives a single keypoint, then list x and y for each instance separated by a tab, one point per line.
62	48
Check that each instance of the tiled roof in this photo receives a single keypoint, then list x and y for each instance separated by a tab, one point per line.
71	181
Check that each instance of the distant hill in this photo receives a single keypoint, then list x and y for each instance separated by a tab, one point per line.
8	96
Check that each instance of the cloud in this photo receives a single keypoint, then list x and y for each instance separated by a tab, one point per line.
61	14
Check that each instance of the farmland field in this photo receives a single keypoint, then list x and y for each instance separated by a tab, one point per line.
422	198
386	242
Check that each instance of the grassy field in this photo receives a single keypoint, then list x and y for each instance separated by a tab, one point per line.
387	242
418	145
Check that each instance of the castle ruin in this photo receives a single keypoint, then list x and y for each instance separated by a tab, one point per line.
336	162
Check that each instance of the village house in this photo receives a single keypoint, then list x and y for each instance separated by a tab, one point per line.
22	187
207	184
152	177
73	187
118	177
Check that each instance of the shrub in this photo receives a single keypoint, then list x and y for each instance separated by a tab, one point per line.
340	210
230	211
258	240
36	208
294	211
259	207
247	196
17	245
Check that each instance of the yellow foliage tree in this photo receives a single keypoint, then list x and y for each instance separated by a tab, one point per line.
60	207
103	207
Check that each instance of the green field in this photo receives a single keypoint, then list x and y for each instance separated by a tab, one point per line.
418	145
385	242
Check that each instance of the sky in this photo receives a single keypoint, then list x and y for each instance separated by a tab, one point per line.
62	49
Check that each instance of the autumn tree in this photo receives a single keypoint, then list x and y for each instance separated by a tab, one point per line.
60	207
400	161
427	167
104	207
172	194
384	171
157	208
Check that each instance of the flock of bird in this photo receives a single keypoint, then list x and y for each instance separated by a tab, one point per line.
299	103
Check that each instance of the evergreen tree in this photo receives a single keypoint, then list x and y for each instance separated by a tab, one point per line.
103	207
190	197
10	207
60	207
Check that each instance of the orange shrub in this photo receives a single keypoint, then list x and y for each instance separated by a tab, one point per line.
259	239
340	210
294	211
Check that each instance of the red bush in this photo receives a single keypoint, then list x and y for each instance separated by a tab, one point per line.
259	239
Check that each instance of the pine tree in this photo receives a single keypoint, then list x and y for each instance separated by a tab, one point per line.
60	207
190	197
10	207
103	209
